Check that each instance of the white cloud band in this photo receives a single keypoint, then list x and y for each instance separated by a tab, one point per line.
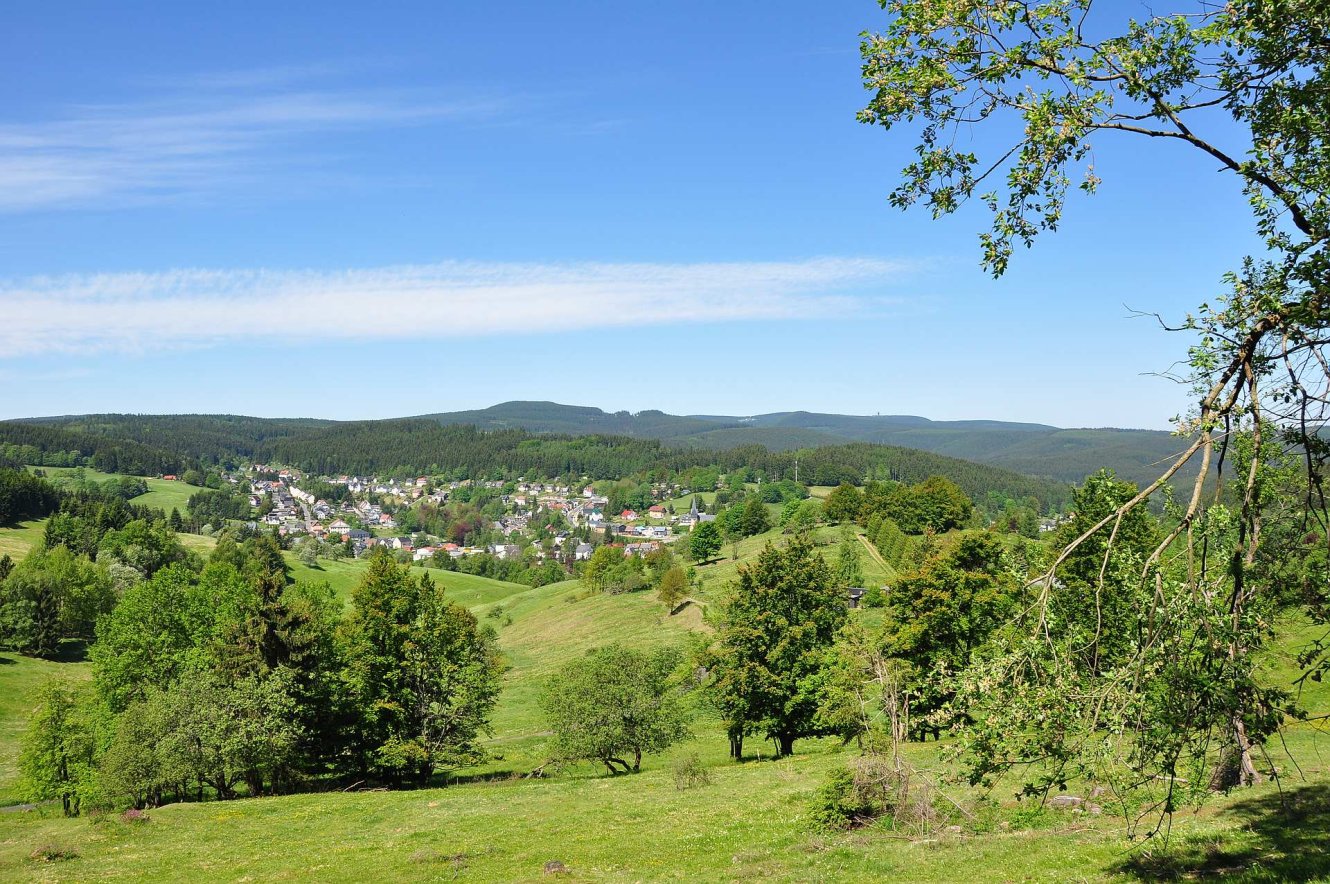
142	311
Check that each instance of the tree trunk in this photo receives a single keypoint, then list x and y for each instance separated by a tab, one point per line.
1235	767
784	744
737	745
637	760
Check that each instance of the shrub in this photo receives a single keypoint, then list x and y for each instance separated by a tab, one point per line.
839	804
53	853
689	772
134	815
870	789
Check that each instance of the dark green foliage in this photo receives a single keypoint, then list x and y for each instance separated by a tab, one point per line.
420	673
50	596
218	507
413	446
845	503
24	496
754	517
939	616
774	629
212	438
839	804
1103	618
30	443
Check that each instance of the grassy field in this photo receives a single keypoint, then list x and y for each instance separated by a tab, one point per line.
541	629
720	573
164	494
16	540
750	823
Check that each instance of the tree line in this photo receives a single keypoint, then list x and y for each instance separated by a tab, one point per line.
221	678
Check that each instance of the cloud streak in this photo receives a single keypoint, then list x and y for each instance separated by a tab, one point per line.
131	153
139	312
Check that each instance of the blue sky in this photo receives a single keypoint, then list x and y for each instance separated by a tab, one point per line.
343	211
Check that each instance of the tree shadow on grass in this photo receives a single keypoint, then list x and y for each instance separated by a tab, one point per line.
1279	838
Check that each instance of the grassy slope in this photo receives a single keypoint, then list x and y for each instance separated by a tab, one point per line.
163	494
167	495
16	540
549	626
749	824
720	573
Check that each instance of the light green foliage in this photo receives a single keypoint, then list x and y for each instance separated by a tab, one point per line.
160	628
1245	85
615	702
805	516
59	746
49	596
891	542
209	729
704	542
147	547
672	588
849	568
609	570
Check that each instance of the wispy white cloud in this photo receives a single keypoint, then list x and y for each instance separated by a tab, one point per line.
112	154
148	311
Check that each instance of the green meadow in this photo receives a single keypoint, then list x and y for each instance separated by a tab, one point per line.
496	822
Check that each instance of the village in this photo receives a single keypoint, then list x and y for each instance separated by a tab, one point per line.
538	521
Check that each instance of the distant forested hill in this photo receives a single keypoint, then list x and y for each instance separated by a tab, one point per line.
1059	455
412	446
580	420
59	446
421	445
210	438
1036	449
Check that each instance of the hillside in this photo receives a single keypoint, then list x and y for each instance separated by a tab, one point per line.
1063	455
750	823
1035	449
411	446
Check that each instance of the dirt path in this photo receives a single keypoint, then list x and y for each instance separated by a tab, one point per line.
877	557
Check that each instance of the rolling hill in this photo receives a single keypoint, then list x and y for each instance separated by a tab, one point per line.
1048	452
1066	455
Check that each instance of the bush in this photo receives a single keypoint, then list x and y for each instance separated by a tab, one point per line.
870	789
839	804
689	772
53	853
